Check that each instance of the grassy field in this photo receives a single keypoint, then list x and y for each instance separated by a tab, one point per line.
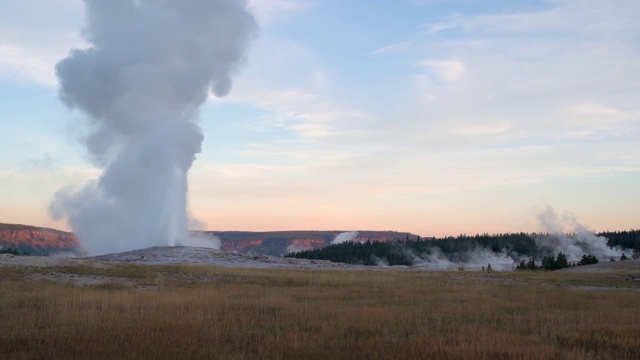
199	312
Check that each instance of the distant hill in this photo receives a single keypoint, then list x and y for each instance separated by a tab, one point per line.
281	242
38	241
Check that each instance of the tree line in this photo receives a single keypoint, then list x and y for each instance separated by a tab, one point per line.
14	252
459	249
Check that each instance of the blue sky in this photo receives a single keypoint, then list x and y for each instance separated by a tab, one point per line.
435	117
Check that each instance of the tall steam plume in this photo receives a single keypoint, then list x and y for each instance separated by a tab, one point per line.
149	68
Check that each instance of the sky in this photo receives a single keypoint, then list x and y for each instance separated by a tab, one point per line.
433	117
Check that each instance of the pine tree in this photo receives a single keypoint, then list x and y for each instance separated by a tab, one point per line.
561	262
588	260
548	262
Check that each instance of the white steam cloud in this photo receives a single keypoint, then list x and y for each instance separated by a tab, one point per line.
149	68
344	237
566	235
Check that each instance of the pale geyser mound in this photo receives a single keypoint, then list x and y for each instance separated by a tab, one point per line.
149	66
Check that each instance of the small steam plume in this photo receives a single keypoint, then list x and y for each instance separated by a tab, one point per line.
295	247
200	238
344	237
203	240
140	84
566	235
472	260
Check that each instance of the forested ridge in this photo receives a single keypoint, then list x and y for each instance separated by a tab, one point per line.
461	249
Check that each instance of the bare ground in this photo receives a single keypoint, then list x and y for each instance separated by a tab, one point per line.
48	268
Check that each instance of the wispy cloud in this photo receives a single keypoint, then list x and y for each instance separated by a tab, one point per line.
593	109
402	45
447	69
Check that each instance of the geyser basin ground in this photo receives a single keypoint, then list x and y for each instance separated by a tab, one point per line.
194	255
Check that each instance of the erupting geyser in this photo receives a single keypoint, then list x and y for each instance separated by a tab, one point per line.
148	69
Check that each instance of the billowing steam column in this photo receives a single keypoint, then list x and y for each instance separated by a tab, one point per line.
149	68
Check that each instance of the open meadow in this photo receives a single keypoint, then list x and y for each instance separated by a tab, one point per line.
130	311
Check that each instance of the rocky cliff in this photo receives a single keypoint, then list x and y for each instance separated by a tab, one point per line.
35	240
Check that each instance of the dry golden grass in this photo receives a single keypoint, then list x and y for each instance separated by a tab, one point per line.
183	312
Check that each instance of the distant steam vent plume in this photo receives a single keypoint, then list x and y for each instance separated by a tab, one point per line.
140	83
344	237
